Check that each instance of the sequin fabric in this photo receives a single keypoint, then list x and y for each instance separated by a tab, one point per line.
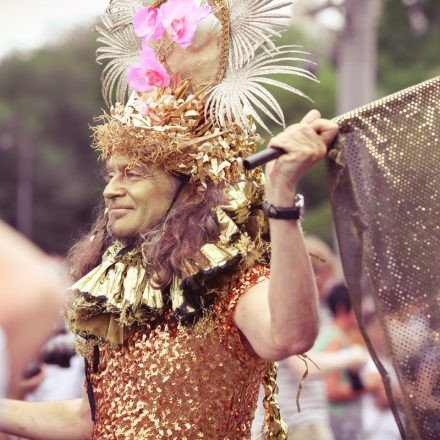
180	382
385	188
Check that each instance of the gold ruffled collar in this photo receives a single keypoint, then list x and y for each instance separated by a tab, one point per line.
118	295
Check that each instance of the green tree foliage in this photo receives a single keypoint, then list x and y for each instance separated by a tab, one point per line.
409	39
47	101
318	219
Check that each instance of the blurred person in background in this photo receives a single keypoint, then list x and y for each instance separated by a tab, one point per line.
64	370
30	381
344	388
378	421
327	269
31	295
313	422
416	349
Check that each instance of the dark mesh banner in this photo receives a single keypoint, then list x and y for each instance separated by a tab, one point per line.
384	174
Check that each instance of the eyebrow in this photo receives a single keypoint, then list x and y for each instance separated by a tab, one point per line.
123	167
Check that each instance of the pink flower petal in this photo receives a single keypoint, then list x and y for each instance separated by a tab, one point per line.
147	22
140	22
181	17
176	9
150	73
137	79
183	32
201	13
147	55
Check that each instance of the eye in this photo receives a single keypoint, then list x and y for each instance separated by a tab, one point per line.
108	175
133	174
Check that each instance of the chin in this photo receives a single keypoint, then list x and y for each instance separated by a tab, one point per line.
120	233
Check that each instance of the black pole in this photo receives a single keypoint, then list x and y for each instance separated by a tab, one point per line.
262	157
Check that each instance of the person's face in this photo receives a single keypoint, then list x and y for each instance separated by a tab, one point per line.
136	198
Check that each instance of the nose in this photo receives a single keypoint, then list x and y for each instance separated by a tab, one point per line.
113	189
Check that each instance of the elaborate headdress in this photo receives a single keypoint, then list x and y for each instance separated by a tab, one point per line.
196	73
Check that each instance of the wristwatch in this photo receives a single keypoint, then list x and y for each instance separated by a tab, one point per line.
296	212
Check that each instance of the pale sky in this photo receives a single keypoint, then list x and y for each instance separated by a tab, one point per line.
28	24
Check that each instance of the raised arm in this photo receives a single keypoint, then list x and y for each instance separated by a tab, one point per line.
66	420
279	318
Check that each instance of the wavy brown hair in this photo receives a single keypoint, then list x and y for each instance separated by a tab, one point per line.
169	247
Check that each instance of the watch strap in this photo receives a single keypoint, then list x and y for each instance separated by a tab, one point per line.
295	212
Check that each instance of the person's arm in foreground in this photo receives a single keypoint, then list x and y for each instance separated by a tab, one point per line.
31	295
66	420
279	317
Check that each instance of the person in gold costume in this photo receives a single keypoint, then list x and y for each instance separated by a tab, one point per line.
182	300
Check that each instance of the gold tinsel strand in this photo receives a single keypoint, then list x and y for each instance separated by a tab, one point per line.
276	427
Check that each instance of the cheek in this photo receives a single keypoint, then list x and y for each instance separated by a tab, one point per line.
157	208
153	206
152	198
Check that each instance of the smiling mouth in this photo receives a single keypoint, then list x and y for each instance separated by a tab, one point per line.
118	212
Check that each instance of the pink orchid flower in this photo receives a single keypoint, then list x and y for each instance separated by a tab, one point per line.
180	18
148	74
147	23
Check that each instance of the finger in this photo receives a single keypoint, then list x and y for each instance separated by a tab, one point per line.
320	125
311	116
329	136
326	129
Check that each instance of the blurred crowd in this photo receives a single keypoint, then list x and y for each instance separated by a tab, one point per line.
343	396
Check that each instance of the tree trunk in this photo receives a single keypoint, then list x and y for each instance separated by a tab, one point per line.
357	55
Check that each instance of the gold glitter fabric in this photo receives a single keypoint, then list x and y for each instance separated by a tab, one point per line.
385	190
171	381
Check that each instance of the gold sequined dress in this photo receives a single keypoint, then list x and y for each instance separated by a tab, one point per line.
174	381
152	373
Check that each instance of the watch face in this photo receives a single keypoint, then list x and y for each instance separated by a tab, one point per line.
299	203
301	213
